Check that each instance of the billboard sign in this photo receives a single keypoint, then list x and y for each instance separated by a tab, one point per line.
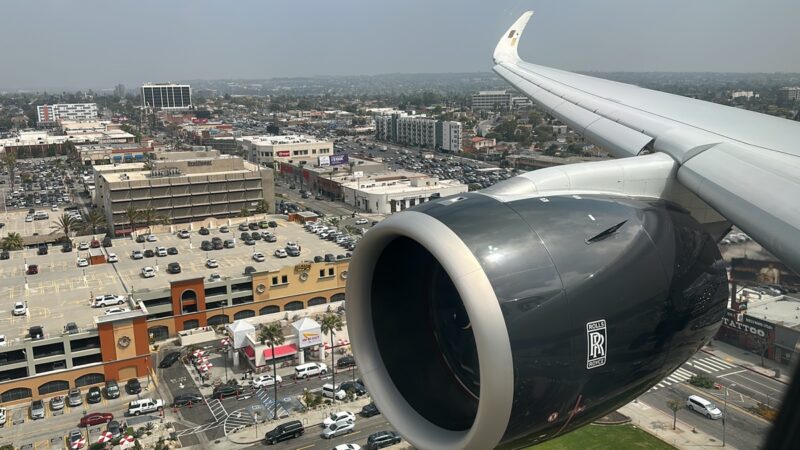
310	338
283	153
339	159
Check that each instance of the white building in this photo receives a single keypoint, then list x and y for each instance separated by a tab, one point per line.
266	150
66	111
419	131
392	193
491	100
743	94
166	96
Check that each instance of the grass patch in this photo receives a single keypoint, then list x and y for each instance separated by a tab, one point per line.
602	437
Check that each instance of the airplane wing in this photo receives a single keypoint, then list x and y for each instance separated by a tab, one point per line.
744	165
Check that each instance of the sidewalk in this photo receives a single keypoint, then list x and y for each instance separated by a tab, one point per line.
659	424
312	421
750	361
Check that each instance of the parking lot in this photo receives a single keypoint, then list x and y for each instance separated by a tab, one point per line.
62	292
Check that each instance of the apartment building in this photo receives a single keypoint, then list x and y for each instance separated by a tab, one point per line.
419	131
48	114
491	101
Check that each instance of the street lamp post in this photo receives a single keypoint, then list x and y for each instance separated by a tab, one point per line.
725	412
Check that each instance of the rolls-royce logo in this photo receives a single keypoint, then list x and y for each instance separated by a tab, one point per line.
596	344
124	341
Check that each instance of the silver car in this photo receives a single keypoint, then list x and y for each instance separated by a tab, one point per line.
37	409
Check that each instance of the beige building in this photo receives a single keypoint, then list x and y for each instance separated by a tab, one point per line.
266	150
184	187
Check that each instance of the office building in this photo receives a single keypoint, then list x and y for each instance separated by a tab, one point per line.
49	114
791	94
119	90
390	193
266	150
185	187
491	101
419	131
166	96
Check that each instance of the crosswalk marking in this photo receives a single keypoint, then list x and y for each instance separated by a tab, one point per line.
678	376
703	367
217	410
718	363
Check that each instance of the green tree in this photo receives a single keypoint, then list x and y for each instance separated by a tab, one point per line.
330	324
133	215
149	217
10	161
273	335
551	150
66	224
674	405
12	242
94	220
262	207
244	212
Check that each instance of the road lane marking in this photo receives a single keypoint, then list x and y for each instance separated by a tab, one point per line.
761	384
733	373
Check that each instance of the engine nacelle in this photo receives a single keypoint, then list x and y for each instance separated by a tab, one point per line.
481	323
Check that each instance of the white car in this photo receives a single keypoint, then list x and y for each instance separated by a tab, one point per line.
83	246
259	257
2	416
183	234
82	262
144	406
361	221
293	245
338	429
112	258
3	343
347	447
339	416
54	208
116	310
214	277
148	272
137	254
161	251
19	309
151	238
212	263
101	301
265	380
281	253
29	218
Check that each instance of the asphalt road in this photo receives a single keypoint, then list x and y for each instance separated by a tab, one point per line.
312	438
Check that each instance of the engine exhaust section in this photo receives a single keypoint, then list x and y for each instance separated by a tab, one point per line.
479	322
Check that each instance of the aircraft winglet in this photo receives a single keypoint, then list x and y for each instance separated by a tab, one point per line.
506	50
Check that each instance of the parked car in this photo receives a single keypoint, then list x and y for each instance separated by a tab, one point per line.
204	231
114	428
74	397
93	419
107	241
182	400
169	360
95	243
310	369
370	410
140	239
281	253
36	332
151	238
112	258
37	409
137	254
148	272
361	221
57	403
223	229
3	416
226	390
284	431
133	386
73	437
102	301
337	429
249	269
42	250
703	406
82	262
339	416
144	406
329	391
172	251
243	227
353	387
94	395
4	254
252	226
212	263
112	389
161	251
19	309
259	257
229	243
115	310
174	267
382	439
149	253
214	277
33	269
265	380
83	246
183	234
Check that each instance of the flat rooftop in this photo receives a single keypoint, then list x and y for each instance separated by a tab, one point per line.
283	140
62	292
781	310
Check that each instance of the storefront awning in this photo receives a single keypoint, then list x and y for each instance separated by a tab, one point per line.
281	350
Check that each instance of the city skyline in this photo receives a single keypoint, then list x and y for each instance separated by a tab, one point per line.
132	43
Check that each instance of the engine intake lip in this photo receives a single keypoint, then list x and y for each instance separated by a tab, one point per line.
488	324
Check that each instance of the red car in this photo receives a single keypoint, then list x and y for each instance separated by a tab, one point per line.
95	419
95	243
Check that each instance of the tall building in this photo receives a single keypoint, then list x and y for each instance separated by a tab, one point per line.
66	111
159	96
119	90
189	186
491	101
419	131
790	93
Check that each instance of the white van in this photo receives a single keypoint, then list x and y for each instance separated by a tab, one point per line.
703	406
327	391
310	370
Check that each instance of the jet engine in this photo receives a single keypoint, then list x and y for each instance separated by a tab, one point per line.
481	322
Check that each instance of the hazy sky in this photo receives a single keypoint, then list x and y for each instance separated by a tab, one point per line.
93	43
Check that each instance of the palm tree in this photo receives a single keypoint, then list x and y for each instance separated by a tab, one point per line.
65	224
132	214
150	218
273	334
12	242
93	220
10	161
262	207
331	323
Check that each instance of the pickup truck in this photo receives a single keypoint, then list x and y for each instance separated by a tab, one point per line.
144	406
